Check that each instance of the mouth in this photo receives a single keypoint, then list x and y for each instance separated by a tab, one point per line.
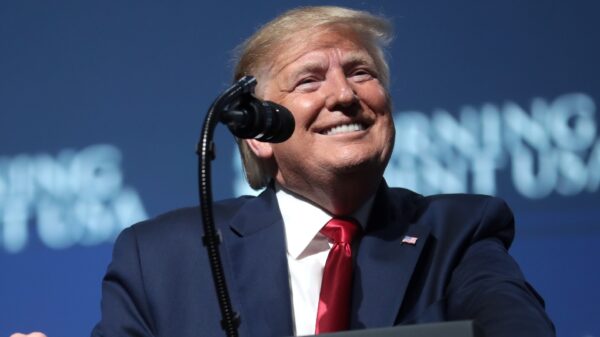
344	128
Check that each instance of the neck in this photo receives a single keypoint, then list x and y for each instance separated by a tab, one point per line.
340	198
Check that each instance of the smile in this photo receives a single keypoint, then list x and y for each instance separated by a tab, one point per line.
344	128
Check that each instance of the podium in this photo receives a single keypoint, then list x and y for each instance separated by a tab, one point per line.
443	329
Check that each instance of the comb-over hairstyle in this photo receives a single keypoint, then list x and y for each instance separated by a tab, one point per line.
257	53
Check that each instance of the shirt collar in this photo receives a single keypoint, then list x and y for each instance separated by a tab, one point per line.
303	220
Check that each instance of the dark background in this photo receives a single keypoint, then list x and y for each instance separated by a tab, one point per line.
140	76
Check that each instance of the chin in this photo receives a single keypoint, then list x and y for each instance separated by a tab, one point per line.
364	167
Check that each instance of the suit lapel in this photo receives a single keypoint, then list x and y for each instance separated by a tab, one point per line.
257	253
384	263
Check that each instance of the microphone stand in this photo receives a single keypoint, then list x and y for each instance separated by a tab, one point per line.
212	237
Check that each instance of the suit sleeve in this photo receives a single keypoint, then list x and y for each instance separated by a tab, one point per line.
124	309
488	286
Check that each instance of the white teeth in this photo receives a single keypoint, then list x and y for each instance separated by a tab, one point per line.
344	128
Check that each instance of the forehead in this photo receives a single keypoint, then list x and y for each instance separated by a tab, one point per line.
299	47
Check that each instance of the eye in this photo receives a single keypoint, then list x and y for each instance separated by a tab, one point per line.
307	84
362	74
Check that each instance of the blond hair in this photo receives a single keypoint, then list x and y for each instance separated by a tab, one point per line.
258	51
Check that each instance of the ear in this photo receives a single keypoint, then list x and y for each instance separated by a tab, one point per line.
262	150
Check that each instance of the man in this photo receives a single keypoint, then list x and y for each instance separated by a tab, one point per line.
416	259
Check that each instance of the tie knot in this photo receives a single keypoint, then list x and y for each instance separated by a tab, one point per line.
341	230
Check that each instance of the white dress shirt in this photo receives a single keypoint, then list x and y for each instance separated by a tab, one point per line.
307	251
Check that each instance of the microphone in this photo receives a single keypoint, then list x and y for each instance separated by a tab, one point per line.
265	121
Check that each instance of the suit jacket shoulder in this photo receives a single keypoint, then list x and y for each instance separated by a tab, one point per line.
159	281
464	270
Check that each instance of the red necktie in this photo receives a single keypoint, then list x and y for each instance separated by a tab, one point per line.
333	313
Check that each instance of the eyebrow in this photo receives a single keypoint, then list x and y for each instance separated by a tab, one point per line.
309	67
357	58
351	59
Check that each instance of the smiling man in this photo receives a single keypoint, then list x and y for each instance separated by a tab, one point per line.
344	129
328	246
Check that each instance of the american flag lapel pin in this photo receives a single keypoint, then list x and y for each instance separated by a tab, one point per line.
410	240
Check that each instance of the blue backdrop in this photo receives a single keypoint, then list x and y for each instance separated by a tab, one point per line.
101	105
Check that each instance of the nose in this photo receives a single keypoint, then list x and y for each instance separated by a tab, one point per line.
340	93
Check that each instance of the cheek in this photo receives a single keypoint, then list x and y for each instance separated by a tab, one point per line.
304	108
390	137
392	132
388	124
376	97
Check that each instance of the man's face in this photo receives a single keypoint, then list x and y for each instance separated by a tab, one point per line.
330	83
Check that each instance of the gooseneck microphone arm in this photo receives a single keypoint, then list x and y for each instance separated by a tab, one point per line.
246	117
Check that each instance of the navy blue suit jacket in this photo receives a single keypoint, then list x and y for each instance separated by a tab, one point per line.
159	281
